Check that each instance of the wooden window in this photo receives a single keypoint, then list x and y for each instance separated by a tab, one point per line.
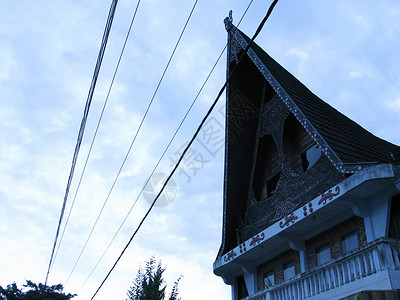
323	254
269	279
349	242
289	271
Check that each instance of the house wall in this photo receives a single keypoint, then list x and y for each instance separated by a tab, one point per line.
333	237
276	265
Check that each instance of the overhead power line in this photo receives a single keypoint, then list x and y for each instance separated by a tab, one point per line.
190	143
155	167
97	127
165	150
135	136
83	123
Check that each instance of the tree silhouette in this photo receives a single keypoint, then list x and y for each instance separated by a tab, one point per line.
34	292
149	284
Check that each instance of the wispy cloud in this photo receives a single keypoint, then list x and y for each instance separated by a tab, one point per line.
347	53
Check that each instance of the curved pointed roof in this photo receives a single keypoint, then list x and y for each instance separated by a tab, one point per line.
351	143
348	146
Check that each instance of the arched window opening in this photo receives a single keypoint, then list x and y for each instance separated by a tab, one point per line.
301	152
267	170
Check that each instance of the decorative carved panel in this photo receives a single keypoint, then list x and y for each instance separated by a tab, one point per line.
234	52
273	122
294	190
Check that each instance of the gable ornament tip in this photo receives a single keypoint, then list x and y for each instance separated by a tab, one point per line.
228	21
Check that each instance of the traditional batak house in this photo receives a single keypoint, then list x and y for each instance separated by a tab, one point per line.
311	199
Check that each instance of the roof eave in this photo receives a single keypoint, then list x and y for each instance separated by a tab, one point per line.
230	263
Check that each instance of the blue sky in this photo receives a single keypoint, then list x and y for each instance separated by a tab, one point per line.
346	52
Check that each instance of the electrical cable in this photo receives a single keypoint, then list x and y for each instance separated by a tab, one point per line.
97	127
83	122
165	151
190	143
134	139
155	167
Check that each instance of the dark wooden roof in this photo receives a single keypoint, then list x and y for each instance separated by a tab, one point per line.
350	142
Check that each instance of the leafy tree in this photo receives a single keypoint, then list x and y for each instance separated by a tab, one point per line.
34	292
149	284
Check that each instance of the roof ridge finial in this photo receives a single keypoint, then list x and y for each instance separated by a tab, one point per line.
228	21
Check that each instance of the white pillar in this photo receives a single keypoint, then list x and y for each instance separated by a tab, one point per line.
300	246
377	220
250	278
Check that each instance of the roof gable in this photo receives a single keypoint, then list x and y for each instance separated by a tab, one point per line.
349	146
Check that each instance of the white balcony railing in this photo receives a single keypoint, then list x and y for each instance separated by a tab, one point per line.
377	256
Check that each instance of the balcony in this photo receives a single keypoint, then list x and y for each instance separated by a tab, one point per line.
374	267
